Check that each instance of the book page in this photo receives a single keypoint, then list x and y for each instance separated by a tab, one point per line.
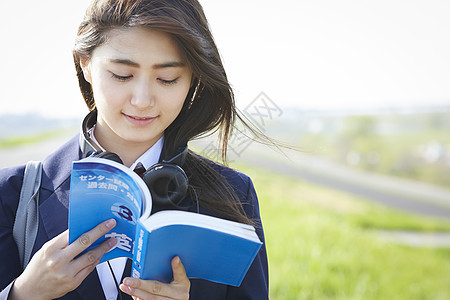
175	217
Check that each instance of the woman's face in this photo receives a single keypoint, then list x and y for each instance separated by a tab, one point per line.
140	82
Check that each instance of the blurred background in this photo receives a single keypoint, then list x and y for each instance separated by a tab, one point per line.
361	87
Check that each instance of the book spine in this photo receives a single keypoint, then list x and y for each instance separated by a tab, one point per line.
139	250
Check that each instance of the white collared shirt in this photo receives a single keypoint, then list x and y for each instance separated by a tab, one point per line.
148	159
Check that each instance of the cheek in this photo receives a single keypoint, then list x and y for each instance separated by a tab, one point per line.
172	108
175	99
108	94
180	100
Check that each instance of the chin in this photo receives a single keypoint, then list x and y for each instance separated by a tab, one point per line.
139	139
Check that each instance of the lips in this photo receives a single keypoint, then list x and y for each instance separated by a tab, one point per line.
139	121
140	118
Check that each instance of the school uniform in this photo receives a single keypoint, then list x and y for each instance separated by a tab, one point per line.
53	213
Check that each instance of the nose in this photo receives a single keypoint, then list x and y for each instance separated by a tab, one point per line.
143	95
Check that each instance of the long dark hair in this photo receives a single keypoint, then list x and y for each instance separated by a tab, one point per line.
213	107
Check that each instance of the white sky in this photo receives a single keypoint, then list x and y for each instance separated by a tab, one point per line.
321	54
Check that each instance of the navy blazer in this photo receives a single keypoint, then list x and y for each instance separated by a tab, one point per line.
53	210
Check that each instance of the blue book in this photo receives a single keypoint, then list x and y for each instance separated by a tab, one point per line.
210	248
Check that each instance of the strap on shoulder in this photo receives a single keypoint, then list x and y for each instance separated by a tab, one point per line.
27	216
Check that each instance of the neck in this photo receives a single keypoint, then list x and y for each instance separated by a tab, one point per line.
128	151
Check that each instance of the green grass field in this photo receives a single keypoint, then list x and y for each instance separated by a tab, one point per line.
323	244
15	141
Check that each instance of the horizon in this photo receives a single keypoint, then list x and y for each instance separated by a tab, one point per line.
286	110
319	55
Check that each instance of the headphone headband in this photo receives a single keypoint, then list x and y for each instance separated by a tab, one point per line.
180	158
167	182
87	145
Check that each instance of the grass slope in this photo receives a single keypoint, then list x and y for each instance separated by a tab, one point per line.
322	244
30	139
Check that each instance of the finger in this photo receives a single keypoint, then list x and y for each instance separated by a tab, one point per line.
61	240
177	289
179	273
83	273
55	245
149	290
144	288
131	286
88	238
92	258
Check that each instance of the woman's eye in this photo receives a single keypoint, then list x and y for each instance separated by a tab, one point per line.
168	82
121	78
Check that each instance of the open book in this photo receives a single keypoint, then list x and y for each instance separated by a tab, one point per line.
210	248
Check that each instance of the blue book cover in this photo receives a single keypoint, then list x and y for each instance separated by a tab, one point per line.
102	189
210	248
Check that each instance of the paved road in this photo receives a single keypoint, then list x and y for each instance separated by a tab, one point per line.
402	194
20	155
407	195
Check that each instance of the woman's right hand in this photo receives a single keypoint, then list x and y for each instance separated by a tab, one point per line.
54	271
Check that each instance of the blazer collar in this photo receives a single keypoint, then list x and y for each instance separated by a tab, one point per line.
54	204
58	165
54	192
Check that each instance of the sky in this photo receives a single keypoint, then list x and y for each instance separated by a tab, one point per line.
309	54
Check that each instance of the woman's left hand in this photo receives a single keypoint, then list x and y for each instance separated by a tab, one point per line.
151	289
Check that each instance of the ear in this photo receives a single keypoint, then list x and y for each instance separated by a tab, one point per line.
86	67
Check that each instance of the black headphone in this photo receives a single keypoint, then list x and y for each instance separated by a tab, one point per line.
167	181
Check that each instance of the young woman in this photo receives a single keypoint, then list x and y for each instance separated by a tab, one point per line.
153	80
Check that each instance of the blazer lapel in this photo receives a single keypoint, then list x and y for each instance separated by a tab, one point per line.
54	206
91	288
126	273
54	193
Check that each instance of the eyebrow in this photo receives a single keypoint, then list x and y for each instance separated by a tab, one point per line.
170	64
125	62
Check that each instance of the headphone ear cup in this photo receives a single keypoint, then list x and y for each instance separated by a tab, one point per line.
168	184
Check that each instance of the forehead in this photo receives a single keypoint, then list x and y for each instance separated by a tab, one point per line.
143	45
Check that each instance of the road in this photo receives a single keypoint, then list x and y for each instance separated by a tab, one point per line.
406	195
411	196
38	151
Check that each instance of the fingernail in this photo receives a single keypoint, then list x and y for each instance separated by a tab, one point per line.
125	288
176	260
112	242
128	281
110	223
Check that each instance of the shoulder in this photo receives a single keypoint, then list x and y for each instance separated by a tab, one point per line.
11	179
240	183
236	179
10	184
56	168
